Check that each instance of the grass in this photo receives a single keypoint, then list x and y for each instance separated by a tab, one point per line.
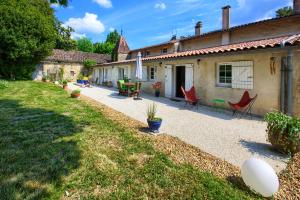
55	147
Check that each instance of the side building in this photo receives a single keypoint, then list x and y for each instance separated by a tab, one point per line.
67	63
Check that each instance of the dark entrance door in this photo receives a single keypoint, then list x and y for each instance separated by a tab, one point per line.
180	80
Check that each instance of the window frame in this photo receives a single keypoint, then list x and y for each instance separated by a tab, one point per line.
219	84
162	51
150	73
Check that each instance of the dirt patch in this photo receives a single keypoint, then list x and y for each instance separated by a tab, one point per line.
180	153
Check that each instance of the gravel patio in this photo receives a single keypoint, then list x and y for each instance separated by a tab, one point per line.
217	133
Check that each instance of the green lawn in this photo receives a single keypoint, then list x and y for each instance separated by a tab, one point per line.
50	144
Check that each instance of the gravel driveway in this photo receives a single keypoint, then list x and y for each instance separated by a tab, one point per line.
217	133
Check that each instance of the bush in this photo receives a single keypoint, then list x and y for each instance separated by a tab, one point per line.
65	82
89	63
27	36
3	84
283	132
77	91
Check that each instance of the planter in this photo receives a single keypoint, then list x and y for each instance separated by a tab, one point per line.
76	95
154	125
157	93
65	87
281	143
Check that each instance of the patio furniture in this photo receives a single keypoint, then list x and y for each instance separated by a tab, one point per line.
190	96
137	91
122	90
129	87
244	106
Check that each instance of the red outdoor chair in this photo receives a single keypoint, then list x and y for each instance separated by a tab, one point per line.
244	106
191	96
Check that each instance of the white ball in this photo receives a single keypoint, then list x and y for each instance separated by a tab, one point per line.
260	177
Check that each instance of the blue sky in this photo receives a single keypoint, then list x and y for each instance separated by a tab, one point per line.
147	22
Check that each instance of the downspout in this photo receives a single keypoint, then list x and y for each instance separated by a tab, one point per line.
289	86
282	85
290	82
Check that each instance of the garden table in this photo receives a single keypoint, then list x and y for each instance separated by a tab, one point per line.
128	86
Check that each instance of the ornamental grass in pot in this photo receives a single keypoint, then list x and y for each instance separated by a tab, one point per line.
283	132
65	84
75	93
154	122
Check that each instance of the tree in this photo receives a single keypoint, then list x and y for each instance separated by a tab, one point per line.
85	44
113	37
108	46
104	48
27	36
64	40
60	2
284	12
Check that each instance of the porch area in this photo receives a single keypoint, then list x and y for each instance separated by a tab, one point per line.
217	133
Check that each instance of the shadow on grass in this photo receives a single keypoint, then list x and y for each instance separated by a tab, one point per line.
35	152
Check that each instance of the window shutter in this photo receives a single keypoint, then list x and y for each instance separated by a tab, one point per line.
189	77
145	73
242	75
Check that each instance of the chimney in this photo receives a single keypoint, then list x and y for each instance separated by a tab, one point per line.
198	28
296	6
226	18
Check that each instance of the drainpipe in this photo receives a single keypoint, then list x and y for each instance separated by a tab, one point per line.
282	85
290	82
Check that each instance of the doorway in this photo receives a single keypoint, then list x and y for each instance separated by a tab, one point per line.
180	80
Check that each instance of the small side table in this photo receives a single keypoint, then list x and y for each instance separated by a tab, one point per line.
218	104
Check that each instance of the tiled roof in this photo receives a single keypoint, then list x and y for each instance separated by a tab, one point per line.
241	26
157	45
122	46
257	44
77	56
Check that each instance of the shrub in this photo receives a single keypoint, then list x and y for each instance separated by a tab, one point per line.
77	91
65	82
283	132
3	84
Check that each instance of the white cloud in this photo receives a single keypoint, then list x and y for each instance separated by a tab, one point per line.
75	36
89	23
104	3
161	6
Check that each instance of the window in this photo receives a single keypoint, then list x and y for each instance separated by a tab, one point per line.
235	75
152	73
121	73
148	53
164	51
72	73
225	75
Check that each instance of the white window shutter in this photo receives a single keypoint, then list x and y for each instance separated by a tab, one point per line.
242	75
145	73
189	77
126	72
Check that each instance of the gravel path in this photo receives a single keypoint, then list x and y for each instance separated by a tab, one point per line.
231	139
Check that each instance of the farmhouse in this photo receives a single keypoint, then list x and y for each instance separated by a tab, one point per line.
69	64
262	57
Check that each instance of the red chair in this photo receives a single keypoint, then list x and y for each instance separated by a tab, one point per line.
191	96
244	105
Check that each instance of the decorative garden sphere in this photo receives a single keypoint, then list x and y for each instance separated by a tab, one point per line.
260	177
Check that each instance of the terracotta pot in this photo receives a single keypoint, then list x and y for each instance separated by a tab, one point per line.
75	95
281	143
65	87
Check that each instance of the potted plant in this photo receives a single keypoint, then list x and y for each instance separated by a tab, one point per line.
156	86
154	122
283	132
75	93
65	84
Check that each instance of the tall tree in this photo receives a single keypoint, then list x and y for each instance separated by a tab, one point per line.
85	44
284	12
64	40
27	36
108	46
113	37
60	2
